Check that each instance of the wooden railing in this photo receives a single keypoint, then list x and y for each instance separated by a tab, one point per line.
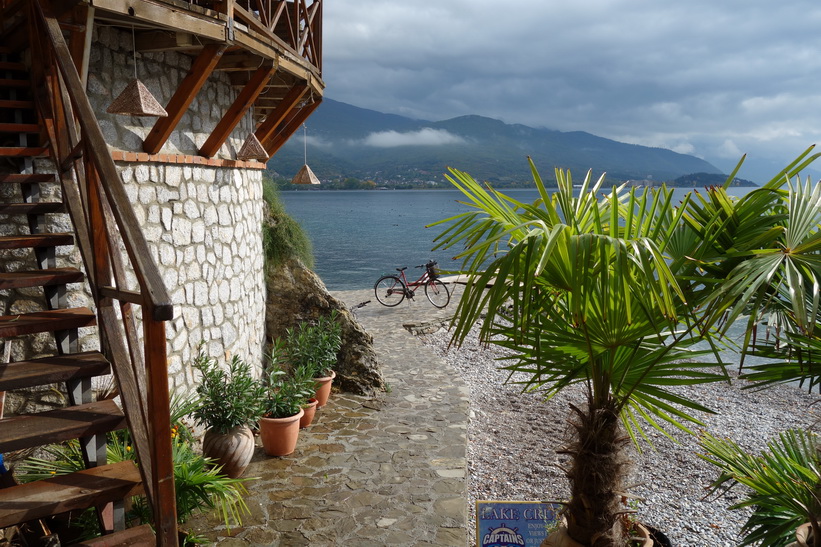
294	24
110	239
297	23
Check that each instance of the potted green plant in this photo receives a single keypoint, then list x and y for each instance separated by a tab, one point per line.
578	288
784	486
230	401
311	403
612	290
282	409
312	347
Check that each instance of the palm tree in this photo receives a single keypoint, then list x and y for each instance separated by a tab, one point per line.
762	253
580	291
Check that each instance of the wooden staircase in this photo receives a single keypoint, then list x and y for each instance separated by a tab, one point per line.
31	134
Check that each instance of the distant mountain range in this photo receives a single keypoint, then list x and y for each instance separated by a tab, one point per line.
347	142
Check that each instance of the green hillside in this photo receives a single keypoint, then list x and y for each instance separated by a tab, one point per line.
347	142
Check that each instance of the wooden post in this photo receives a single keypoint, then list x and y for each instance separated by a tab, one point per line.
165	500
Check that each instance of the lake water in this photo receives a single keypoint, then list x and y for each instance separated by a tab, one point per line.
359	235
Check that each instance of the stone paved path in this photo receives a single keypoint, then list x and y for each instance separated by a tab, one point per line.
369	472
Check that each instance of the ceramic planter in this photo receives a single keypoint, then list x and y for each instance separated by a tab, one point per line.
279	435
232	450
310	411
323	389
560	538
803	536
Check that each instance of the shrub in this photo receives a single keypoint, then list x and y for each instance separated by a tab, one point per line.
282	236
286	393
313	346
226	399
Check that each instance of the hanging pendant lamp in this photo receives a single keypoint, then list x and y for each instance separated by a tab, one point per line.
305	175
135	99
252	149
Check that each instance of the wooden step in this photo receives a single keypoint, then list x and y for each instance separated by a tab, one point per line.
37	208
8	65
11	103
47	370
56	426
45	321
86	488
139	536
8	82
19	178
39	278
24	152
19	127
36	240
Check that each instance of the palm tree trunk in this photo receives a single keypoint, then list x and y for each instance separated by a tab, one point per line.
596	473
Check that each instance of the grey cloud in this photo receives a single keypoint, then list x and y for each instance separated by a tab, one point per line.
705	76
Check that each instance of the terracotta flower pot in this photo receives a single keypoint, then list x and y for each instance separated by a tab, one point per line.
308	417
279	435
323	389
232	450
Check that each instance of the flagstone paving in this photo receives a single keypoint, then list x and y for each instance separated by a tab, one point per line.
370	471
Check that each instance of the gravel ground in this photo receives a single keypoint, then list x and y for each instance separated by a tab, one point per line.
513	436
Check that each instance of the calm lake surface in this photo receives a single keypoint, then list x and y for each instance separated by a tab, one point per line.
359	235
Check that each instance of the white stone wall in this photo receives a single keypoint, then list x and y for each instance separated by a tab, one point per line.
202	223
111	67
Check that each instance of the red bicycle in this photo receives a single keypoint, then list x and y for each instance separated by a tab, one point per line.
391	289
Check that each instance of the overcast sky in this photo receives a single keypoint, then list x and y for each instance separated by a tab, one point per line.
712	78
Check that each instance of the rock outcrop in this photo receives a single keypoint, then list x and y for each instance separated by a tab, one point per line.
296	294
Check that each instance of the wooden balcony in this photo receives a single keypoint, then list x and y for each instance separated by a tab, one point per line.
272	50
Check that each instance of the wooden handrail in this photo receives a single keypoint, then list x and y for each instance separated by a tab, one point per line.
148	276
301	19
104	220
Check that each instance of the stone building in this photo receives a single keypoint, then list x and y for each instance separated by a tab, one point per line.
128	240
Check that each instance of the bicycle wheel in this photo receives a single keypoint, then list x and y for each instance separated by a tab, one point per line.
389	290
437	293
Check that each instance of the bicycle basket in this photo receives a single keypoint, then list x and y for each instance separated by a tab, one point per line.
433	271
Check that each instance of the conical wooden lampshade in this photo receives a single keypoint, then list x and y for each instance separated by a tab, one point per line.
305	176
136	100
252	149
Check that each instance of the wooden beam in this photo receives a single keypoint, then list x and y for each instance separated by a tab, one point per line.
239	61
237	110
198	74
80	39
155	342
286	105
166	15
165	40
289	127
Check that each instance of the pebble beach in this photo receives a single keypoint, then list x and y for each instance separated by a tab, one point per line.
513	438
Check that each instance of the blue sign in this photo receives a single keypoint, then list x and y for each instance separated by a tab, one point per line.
514	523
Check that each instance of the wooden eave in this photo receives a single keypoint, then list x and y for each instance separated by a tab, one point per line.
176	16
245	44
